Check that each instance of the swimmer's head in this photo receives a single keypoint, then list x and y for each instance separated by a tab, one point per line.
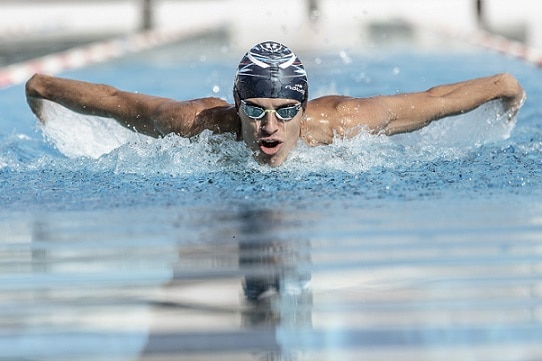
271	70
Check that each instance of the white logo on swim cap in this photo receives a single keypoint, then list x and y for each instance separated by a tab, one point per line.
296	87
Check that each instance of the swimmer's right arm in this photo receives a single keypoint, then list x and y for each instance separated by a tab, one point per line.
154	116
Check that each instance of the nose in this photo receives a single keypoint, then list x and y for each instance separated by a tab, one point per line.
270	124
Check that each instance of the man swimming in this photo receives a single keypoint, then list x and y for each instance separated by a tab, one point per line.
272	111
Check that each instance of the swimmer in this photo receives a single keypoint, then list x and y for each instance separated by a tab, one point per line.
271	109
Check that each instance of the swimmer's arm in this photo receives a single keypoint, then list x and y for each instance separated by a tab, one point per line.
190	118
409	112
154	116
331	116
129	109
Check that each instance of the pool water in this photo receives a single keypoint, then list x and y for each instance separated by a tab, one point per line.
422	246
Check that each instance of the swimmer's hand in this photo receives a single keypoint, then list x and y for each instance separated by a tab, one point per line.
513	95
34	100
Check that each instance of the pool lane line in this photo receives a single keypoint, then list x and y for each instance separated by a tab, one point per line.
97	52
495	42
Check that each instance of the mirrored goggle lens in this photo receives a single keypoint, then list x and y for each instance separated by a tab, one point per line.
285	113
252	111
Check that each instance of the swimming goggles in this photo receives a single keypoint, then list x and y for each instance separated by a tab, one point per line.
284	113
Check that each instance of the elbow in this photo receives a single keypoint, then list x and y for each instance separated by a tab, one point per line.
166	120
162	125
406	125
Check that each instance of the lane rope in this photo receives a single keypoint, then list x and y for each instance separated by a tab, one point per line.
81	56
495	42
97	52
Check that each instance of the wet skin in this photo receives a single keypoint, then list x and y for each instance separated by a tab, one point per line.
270	138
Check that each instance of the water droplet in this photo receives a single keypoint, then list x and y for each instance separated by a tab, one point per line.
345	58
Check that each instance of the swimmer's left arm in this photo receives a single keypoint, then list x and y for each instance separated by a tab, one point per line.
409	112
402	113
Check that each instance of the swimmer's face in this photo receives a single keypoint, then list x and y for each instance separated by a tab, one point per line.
270	138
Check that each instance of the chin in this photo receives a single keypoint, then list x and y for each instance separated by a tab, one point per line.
273	161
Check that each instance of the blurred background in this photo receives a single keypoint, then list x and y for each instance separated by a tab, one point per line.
31	28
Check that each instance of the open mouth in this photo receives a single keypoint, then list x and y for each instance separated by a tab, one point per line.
270	146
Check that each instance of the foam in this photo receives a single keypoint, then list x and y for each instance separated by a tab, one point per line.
76	135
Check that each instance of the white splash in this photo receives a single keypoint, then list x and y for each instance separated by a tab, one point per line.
122	150
77	135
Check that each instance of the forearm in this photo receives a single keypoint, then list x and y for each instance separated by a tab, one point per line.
416	110
81	97
468	95
129	109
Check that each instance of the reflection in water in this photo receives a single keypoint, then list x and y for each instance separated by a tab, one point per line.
235	295
277	280
206	285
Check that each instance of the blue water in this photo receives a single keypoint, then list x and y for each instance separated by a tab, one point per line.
425	245
440	161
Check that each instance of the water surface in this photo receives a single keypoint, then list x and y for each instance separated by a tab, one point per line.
427	245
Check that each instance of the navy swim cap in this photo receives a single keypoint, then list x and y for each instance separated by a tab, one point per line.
271	70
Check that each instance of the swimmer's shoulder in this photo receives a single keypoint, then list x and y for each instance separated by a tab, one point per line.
191	117
318	123
335	115
220	118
